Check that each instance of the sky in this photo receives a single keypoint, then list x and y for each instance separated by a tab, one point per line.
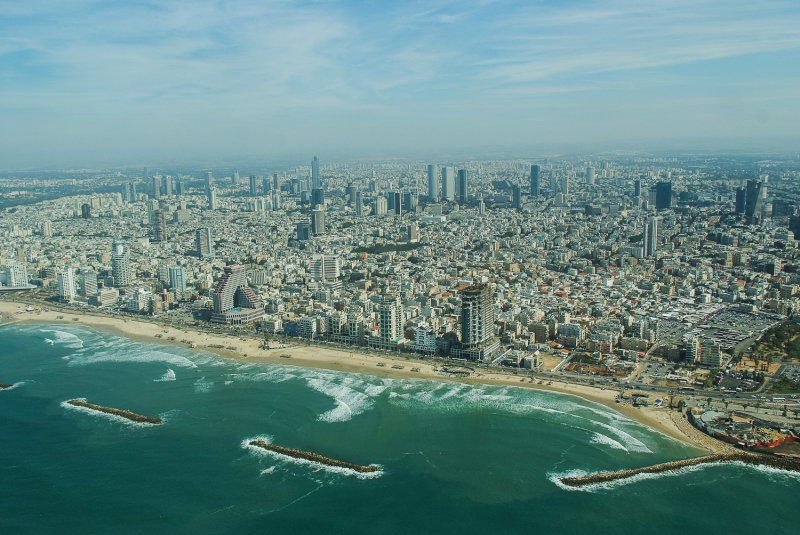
87	82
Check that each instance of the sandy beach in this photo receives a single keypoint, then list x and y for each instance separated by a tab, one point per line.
663	420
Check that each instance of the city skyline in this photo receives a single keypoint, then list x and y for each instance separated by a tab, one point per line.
88	84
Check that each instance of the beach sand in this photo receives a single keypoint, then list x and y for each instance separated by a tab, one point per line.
663	420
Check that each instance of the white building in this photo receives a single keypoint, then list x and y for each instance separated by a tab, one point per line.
66	285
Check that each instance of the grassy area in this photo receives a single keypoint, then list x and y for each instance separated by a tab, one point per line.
783	386
779	342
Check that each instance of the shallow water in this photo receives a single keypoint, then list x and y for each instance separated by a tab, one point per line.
454	457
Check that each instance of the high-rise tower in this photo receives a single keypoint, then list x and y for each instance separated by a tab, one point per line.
316	181
433	184
534	180
120	264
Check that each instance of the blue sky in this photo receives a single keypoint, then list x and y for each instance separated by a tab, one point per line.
88	82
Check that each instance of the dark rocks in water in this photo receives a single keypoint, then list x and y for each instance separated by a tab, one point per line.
132	416
315	457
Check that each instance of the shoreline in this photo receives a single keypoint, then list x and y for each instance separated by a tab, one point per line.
661	420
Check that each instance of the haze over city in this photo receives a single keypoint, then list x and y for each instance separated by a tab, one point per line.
88	83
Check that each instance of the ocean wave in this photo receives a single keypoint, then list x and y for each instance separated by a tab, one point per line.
67	339
287	459
203	386
630	442
599	438
169	375
104	415
352	395
133	353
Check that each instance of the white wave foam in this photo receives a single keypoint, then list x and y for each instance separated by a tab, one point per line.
134	353
104	415
598	438
64	338
169	375
49	341
203	386
305	462
352	394
630	442
608	485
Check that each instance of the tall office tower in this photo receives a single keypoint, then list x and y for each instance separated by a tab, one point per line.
66	285
120	264
316	181
350	194
212	198
663	195
177	278
516	197
86	211
410	201
209	180
534	180
317	197
234	300
752	203
390	318
204	243
177	184
168	185
359	204
325	267
398	203
637	188
276	182
433	184
650	236
564	185
47	228
253	191
276	199
156	186
317	221
266	184
159	224
477	315
413	233
88	280
145	175
235	178
461	186
380	206
481	207
448	184
590	175
303	231
741	200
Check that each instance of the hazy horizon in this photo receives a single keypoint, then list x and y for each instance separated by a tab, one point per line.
90	84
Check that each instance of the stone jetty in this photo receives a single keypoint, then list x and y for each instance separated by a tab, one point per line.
132	416
315	457
783	463
4	386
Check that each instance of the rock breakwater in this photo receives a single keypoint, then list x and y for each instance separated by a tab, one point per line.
4	386
315	457
132	416
747	458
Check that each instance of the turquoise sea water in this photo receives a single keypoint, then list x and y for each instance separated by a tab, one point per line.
455	458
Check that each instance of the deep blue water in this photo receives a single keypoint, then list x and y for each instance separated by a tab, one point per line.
455	458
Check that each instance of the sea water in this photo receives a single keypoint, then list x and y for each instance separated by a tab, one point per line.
454	458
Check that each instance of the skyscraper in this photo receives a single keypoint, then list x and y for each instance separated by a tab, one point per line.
448	184
120	264
752	203
159	226
663	195
390	317
433	184
590	175
318	221
212	198
177	279
359	204
461	186
477	315
637	188
650	237
253	187
317	197
741	200
516	196
205	245
534	180
66	285
316	181
303	231
156	186
235	178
